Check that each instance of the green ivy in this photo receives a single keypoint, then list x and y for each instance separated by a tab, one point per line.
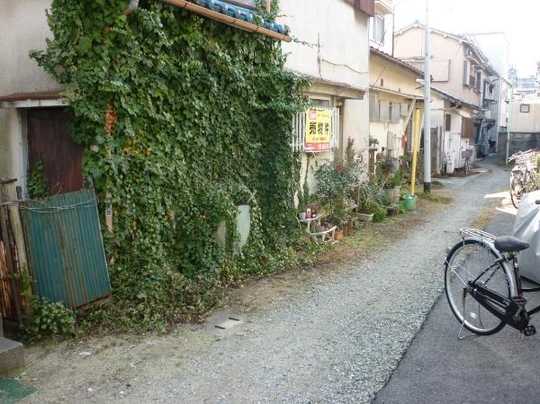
37	183
49	320
204	115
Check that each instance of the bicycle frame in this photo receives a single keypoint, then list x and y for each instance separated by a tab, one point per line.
510	310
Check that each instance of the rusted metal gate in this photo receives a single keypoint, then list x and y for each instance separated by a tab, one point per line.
65	248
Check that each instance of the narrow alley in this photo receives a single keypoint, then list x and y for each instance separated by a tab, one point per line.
335	339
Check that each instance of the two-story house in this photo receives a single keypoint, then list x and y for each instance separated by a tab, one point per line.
332	51
396	90
462	72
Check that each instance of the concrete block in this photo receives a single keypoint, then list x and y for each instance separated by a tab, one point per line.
11	355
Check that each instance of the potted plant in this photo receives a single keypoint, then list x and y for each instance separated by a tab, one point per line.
394	187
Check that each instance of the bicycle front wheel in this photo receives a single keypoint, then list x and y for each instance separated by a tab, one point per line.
473	260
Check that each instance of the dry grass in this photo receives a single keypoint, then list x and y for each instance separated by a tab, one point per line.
436	197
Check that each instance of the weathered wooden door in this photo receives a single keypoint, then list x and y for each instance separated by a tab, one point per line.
50	142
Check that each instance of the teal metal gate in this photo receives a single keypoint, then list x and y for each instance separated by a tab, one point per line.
65	248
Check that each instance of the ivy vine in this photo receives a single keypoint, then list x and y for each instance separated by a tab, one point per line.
202	117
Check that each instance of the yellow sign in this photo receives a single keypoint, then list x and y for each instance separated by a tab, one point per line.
318	130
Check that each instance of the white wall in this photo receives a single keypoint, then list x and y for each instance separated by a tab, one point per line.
343	34
332	47
13	146
525	122
23	27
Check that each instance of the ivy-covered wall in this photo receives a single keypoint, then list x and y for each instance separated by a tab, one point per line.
182	119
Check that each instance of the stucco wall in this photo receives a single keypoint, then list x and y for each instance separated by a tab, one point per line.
13	146
395	78
23	28
342	58
402	87
410	44
343	35
525	122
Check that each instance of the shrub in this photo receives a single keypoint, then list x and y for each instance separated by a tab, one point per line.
49	320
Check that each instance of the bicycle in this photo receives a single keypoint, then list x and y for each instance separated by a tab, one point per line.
483	285
467	156
523	176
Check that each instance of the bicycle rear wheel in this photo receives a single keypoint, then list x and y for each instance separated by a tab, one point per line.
473	260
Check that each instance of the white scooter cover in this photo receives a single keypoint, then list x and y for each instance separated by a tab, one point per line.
527	228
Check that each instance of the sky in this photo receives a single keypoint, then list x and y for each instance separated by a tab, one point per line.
519	20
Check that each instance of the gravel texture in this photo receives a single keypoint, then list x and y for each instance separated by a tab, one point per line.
337	339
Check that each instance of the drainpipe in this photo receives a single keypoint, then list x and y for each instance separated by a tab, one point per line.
132	6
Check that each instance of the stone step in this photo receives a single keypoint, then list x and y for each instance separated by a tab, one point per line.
11	355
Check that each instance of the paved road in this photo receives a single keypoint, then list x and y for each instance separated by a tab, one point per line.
337	339
438	368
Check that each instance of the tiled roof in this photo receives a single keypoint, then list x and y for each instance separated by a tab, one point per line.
241	13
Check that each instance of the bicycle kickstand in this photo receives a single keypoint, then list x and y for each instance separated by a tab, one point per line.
460	335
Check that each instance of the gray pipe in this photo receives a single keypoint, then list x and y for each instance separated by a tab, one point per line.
132	6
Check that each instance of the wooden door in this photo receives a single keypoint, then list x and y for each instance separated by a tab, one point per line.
50	142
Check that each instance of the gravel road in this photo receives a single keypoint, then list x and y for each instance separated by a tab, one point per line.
336	339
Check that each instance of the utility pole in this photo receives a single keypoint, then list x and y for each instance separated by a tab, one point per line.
427	106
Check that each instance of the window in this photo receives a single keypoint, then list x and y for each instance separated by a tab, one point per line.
466	75
384	108
472	76
376	32
404	110
525	108
478	81
317	102
395	113
374	112
448	122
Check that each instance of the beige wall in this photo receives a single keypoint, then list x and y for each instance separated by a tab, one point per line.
392	83
395	77
410	44
23	28
522	122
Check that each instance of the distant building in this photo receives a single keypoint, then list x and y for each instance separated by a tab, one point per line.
461	70
528	86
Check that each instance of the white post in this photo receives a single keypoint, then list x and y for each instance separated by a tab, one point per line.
427	106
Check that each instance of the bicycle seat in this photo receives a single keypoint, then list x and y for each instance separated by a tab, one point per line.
510	244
